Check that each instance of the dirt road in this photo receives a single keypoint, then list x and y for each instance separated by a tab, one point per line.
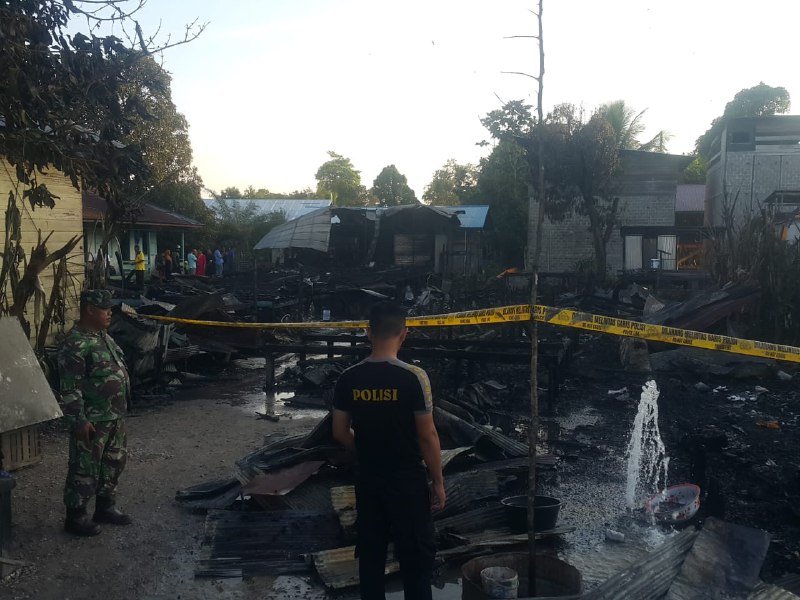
196	437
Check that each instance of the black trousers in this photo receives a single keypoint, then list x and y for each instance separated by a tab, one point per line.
395	509
140	280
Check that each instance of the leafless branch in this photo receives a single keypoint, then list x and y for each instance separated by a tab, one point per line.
520	73
514	37
98	12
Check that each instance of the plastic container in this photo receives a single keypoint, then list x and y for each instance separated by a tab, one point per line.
500	582
554	578
676	504
546	511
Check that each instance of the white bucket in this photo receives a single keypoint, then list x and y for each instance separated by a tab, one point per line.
655	263
500	582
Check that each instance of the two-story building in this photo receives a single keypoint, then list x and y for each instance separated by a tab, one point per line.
754	163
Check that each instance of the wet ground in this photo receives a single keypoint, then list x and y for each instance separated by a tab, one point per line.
198	437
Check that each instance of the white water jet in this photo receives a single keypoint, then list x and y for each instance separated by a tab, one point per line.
647	457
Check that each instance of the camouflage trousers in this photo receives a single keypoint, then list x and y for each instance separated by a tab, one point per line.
94	469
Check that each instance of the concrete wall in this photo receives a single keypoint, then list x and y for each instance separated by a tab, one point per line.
646	189
64	221
567	242
750	178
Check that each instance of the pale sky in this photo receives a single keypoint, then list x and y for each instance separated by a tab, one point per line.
274	84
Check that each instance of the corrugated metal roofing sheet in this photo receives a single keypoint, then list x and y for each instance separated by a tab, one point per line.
245	543
790	581
479	519
470	216
465	489
690	198
449	455
765	591
314	494
282	481
725	561
343	499
510	447
291	208
27	397
312	230
649	577
338	568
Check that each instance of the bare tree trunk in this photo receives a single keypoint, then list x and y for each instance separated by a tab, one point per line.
601	227
536	217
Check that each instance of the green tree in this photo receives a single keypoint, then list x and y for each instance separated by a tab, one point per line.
253	193
73	101
338	179
391	188
503	180
159	130
757	101
453	184
696	171
242	223
183	196
163	134
231	192
581	165
65	105
628	125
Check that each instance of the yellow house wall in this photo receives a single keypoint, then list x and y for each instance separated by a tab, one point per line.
65	221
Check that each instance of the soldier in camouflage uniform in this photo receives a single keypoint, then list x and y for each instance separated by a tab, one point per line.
95	388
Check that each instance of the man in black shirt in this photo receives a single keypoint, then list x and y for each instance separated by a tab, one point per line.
383	407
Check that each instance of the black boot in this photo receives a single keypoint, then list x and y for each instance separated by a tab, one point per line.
106	512
78	523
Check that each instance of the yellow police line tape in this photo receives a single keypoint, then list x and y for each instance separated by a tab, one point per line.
543	314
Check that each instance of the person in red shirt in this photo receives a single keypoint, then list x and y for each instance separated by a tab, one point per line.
201	263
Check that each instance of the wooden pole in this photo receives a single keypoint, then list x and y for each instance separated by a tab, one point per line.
535	211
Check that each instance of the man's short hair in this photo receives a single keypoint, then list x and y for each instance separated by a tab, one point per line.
387	320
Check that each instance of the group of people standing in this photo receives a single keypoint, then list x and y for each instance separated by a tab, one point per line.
212	264
206	263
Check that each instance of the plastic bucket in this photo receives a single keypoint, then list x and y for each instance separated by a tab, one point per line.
500	582
555	578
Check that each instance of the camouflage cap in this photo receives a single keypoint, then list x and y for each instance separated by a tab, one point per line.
98	298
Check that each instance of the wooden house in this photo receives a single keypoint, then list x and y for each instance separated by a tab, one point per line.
62	222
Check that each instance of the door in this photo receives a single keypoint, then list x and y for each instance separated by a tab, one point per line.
633	253
667	251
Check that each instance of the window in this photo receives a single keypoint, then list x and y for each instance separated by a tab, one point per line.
741	139
642	250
